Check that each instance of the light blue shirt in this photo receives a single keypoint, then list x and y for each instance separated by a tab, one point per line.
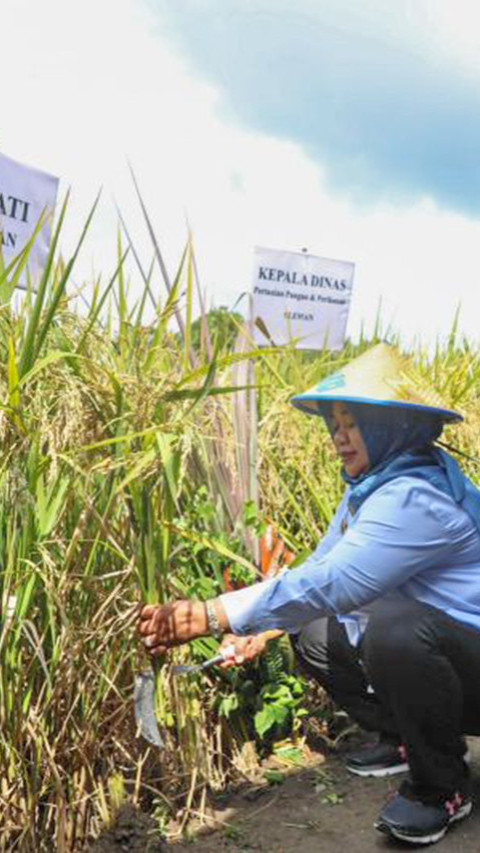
407	539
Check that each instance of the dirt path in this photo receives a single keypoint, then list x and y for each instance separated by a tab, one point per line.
322	808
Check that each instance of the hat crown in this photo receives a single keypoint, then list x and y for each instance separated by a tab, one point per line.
380	376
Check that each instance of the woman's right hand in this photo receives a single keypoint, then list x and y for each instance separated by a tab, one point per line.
245	648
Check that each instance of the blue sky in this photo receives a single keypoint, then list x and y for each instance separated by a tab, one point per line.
350	127
358	84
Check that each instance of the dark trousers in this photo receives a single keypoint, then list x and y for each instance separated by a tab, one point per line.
424	667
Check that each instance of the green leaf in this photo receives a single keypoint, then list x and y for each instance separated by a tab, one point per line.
269	717
10	275
274	777
290	753
50	502
229	704
13	388
27	356
214	545
279	693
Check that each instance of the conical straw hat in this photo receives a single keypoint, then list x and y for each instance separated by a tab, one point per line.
379	377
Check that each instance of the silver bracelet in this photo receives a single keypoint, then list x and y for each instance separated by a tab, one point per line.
213	622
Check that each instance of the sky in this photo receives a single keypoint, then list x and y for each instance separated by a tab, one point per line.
349	127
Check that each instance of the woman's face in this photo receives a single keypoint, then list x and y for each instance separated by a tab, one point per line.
348	441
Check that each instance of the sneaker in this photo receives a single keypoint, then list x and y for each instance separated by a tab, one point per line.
384	758
411	819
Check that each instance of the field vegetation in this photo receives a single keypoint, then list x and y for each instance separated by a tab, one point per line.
128	474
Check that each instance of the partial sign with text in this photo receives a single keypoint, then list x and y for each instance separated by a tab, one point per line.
26	194
302	297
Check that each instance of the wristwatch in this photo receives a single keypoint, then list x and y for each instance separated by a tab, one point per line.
213	622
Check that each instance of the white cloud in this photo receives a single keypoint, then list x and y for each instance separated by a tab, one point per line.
454	28
95	83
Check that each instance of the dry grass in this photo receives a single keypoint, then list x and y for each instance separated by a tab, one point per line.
107	433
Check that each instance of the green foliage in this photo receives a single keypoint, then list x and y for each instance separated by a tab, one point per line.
280	707
126	474
289	753
267	695
200	563
274	777
273	662
252	518
220	324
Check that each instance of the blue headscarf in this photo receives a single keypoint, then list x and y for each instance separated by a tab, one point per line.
399	442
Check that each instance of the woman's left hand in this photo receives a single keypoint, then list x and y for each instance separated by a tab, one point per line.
165	625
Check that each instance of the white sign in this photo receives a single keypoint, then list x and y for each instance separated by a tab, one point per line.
296	295
25	194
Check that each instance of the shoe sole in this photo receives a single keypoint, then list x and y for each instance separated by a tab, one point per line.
464	811
381	772
377	772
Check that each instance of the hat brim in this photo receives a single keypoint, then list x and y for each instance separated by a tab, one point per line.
312	404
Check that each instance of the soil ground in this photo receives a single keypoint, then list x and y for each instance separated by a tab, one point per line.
319	808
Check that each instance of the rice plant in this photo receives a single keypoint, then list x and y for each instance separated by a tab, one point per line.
127	460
